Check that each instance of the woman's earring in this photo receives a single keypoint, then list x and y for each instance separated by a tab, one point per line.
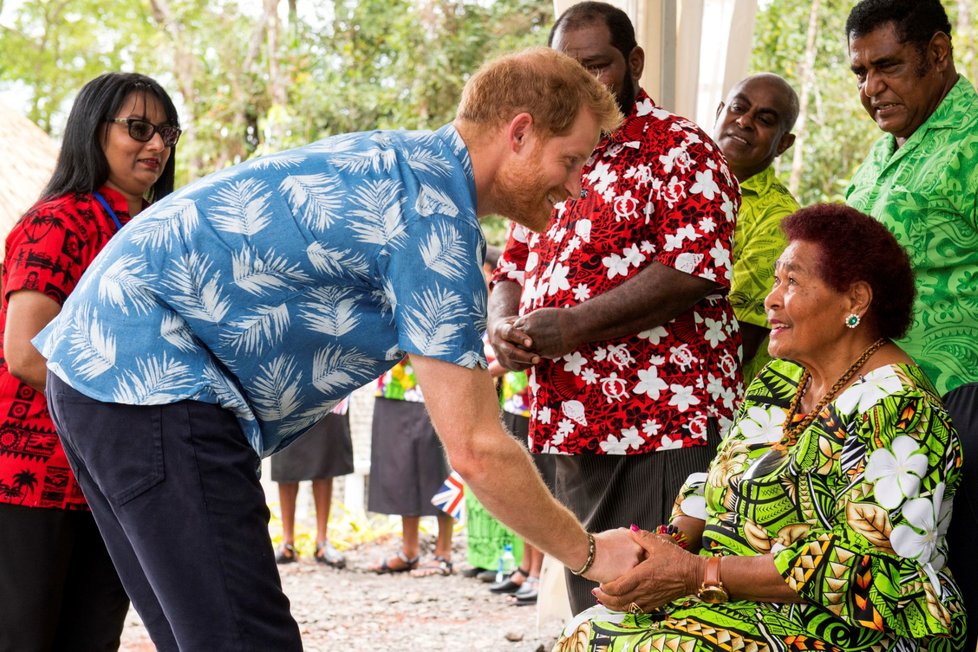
852	320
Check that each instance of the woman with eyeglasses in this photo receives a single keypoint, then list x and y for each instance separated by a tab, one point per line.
58	587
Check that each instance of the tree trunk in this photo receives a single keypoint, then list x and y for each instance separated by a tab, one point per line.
807	85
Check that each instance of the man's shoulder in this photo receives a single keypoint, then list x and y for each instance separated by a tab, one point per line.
766	192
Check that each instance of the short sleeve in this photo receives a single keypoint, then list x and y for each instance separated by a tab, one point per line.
512	262
695	204
434	282
47	251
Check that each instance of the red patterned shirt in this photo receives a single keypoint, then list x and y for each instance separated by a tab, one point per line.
47	251
655	190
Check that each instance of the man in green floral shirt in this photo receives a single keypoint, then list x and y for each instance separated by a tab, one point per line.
919	180
753	127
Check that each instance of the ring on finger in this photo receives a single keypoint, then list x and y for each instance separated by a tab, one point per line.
633	608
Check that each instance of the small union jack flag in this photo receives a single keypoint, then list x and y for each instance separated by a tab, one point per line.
450	497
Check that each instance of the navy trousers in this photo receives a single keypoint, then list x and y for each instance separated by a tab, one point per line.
175	493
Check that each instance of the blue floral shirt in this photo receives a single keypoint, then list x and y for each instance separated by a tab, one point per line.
276	287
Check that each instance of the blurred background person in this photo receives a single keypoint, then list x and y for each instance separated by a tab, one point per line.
407	468
319	455
58	587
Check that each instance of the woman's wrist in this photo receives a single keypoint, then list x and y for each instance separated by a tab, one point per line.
694	573
678	536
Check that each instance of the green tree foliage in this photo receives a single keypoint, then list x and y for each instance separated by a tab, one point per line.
252	82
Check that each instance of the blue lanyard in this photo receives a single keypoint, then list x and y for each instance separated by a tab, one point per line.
105	204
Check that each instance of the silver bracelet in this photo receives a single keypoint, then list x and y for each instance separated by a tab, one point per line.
590	556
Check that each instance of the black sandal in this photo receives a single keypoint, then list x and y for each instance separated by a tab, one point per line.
286	554
508	585
385	568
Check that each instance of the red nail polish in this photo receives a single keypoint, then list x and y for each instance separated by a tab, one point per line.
634	527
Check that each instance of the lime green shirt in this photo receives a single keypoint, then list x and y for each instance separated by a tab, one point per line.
925	193
758	242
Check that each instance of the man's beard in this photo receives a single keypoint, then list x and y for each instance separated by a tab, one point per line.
518	192
625	97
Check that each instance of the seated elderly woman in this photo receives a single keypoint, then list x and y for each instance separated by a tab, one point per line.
820	523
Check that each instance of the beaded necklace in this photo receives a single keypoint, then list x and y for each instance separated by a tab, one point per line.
768	462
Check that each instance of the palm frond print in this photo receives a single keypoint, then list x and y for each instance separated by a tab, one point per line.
429	162
432	201
379	212
277	389
255	333
125	283
336	262
155	380
314	198
443	253
158	229
196	288
92	346
374	159
278	161
331	311
242	207
177	332
333	369
261	275
435	320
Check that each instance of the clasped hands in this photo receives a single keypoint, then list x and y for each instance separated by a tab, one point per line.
662	573
521	341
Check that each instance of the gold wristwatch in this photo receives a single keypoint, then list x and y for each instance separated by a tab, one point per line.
712	591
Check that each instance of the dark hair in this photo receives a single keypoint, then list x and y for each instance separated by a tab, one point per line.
588	13
855	247
915	21
82	166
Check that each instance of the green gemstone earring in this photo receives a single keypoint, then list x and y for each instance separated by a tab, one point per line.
852	320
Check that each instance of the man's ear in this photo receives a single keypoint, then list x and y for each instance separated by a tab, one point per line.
520	131
787	141
636	59
939	50
719	111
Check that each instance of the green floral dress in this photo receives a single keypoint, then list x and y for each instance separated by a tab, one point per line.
854	515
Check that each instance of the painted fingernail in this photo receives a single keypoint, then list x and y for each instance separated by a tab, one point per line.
634	527
599	602
594	591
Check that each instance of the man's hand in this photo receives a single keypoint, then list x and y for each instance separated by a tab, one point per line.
615	553
551	331
512	345
667	572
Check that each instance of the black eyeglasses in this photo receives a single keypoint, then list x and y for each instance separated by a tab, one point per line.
143	130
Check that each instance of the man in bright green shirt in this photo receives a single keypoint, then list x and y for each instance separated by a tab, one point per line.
920	180
753	128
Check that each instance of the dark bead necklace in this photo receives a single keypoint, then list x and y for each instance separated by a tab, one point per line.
770	460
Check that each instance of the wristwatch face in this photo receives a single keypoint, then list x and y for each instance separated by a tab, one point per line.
712	594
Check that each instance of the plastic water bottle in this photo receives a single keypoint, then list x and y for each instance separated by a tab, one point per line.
507	563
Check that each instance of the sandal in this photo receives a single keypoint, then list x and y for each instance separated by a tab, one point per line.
508	585
286	554
437	566
327	554
385	567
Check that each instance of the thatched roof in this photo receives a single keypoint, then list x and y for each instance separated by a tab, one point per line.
27	158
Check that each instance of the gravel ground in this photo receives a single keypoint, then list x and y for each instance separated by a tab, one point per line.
354	609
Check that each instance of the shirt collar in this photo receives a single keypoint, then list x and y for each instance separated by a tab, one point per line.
959	102
760	183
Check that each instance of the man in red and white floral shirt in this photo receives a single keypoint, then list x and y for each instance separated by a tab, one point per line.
619	310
